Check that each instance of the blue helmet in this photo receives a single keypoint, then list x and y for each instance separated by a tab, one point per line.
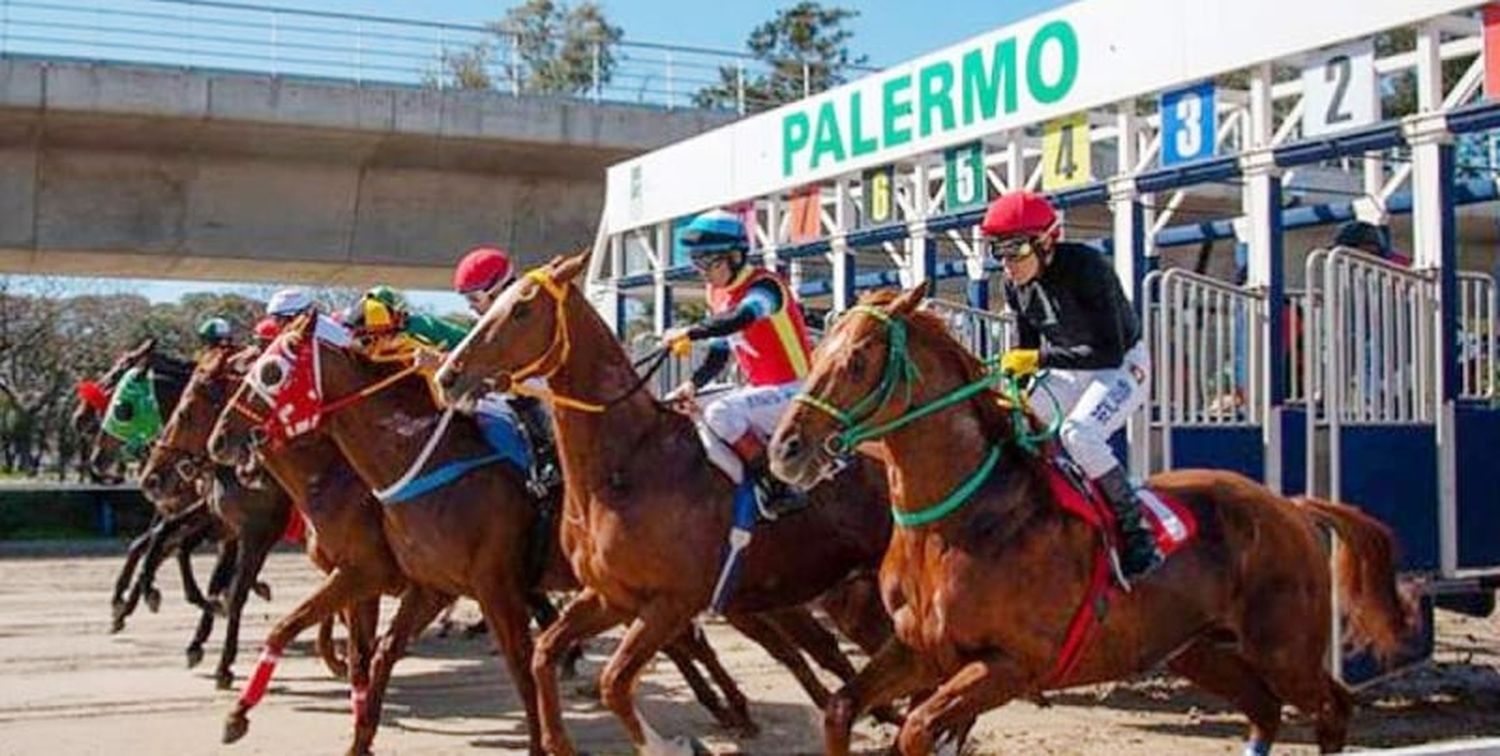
714	232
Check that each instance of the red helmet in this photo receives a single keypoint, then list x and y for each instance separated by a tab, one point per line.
482	269
267	328
1020	212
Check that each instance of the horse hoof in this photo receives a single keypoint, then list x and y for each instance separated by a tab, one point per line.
218	607
194	656
224	680
235	726
116	625
698	748
262	590
746	730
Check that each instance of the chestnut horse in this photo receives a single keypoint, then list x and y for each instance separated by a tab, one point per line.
345	538
983	587
646	516
467	536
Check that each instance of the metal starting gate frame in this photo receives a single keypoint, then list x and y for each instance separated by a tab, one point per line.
1374	383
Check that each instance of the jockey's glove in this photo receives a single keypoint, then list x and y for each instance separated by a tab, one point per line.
1021	362
678	341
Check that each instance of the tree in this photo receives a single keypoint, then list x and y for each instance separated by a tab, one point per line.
806	50
561	49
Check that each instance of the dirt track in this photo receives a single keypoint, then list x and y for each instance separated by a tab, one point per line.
68	687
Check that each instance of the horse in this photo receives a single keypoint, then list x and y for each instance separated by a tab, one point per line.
179	530
467	534
646	516
989	575
252	515
345	537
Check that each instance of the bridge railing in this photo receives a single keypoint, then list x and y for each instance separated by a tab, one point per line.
363	48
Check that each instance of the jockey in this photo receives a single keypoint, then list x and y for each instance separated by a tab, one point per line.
752	315
287	304
215	332
1076	323
481	275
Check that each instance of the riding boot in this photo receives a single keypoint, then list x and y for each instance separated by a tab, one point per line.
544	472
773	497
1138	553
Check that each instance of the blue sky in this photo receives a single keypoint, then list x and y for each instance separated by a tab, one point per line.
888	31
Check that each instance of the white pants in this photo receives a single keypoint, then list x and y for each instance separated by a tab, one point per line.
730	415
1095	404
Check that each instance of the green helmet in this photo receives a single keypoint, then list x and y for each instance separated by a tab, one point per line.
215	331
387	296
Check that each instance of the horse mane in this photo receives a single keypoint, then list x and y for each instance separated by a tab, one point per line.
933	332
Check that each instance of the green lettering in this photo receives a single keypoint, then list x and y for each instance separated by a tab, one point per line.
795	130
1062	33
859	143
937	94
893	110
982	85
828	139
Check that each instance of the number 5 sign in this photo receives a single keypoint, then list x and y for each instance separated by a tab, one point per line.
1189	124
1065	152
1339	89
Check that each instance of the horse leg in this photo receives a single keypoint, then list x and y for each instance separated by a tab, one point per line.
658	623
584	617
155	543
799	626
190	543
1289	658
982	684
327	648
693	646
223	570
133	556
893	671
418	607
768	636
505	612
545	613
174	533
1226	674
856	610
254	548
338	589
363	620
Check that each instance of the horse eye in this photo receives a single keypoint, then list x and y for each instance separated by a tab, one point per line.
857	366
123	412
271	374
519	311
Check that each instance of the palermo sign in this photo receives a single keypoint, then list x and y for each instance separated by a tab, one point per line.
960	89
1086	55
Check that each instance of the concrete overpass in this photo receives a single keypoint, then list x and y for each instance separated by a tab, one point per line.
122	170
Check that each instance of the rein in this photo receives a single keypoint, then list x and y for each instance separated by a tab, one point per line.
900	373
562	347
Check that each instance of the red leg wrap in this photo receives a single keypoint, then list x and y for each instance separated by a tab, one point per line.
256	688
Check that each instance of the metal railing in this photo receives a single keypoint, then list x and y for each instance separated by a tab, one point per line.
1476	336
1369	340
986	334
364	48
1204	336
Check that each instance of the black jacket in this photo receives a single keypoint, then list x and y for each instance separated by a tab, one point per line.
1075	311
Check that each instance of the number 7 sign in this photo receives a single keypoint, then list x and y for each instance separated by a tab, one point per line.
1339	89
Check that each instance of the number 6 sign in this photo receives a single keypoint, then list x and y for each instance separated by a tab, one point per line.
1339	89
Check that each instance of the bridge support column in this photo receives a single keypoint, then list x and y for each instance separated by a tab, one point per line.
1266	274
921	256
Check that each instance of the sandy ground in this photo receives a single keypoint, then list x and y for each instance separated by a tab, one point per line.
68	687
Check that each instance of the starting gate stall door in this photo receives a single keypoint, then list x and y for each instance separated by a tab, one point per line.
1477	425
1206	406
1370	370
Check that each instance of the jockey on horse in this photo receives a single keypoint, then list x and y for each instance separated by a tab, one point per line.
752	314
481	275
1077	325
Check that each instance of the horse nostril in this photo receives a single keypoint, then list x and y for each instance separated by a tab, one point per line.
791	447
149	484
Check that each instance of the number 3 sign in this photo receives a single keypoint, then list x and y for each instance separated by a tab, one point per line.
1189	125
1338	89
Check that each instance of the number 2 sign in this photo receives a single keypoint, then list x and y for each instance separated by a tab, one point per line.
1339	89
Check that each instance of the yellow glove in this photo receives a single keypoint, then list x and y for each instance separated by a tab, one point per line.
1021	362
678	342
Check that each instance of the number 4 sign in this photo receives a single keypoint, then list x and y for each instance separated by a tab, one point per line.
1339	89
1065	152
1189	124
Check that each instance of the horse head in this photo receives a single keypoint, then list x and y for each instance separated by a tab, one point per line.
176	470
523	335
881	363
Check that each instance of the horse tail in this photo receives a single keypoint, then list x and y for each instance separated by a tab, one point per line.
1380	615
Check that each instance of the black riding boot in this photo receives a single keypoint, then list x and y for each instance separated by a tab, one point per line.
774	496
1138	552
538	426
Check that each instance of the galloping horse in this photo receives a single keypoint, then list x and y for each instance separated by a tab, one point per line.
461	529
345	536
646	517
988	569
